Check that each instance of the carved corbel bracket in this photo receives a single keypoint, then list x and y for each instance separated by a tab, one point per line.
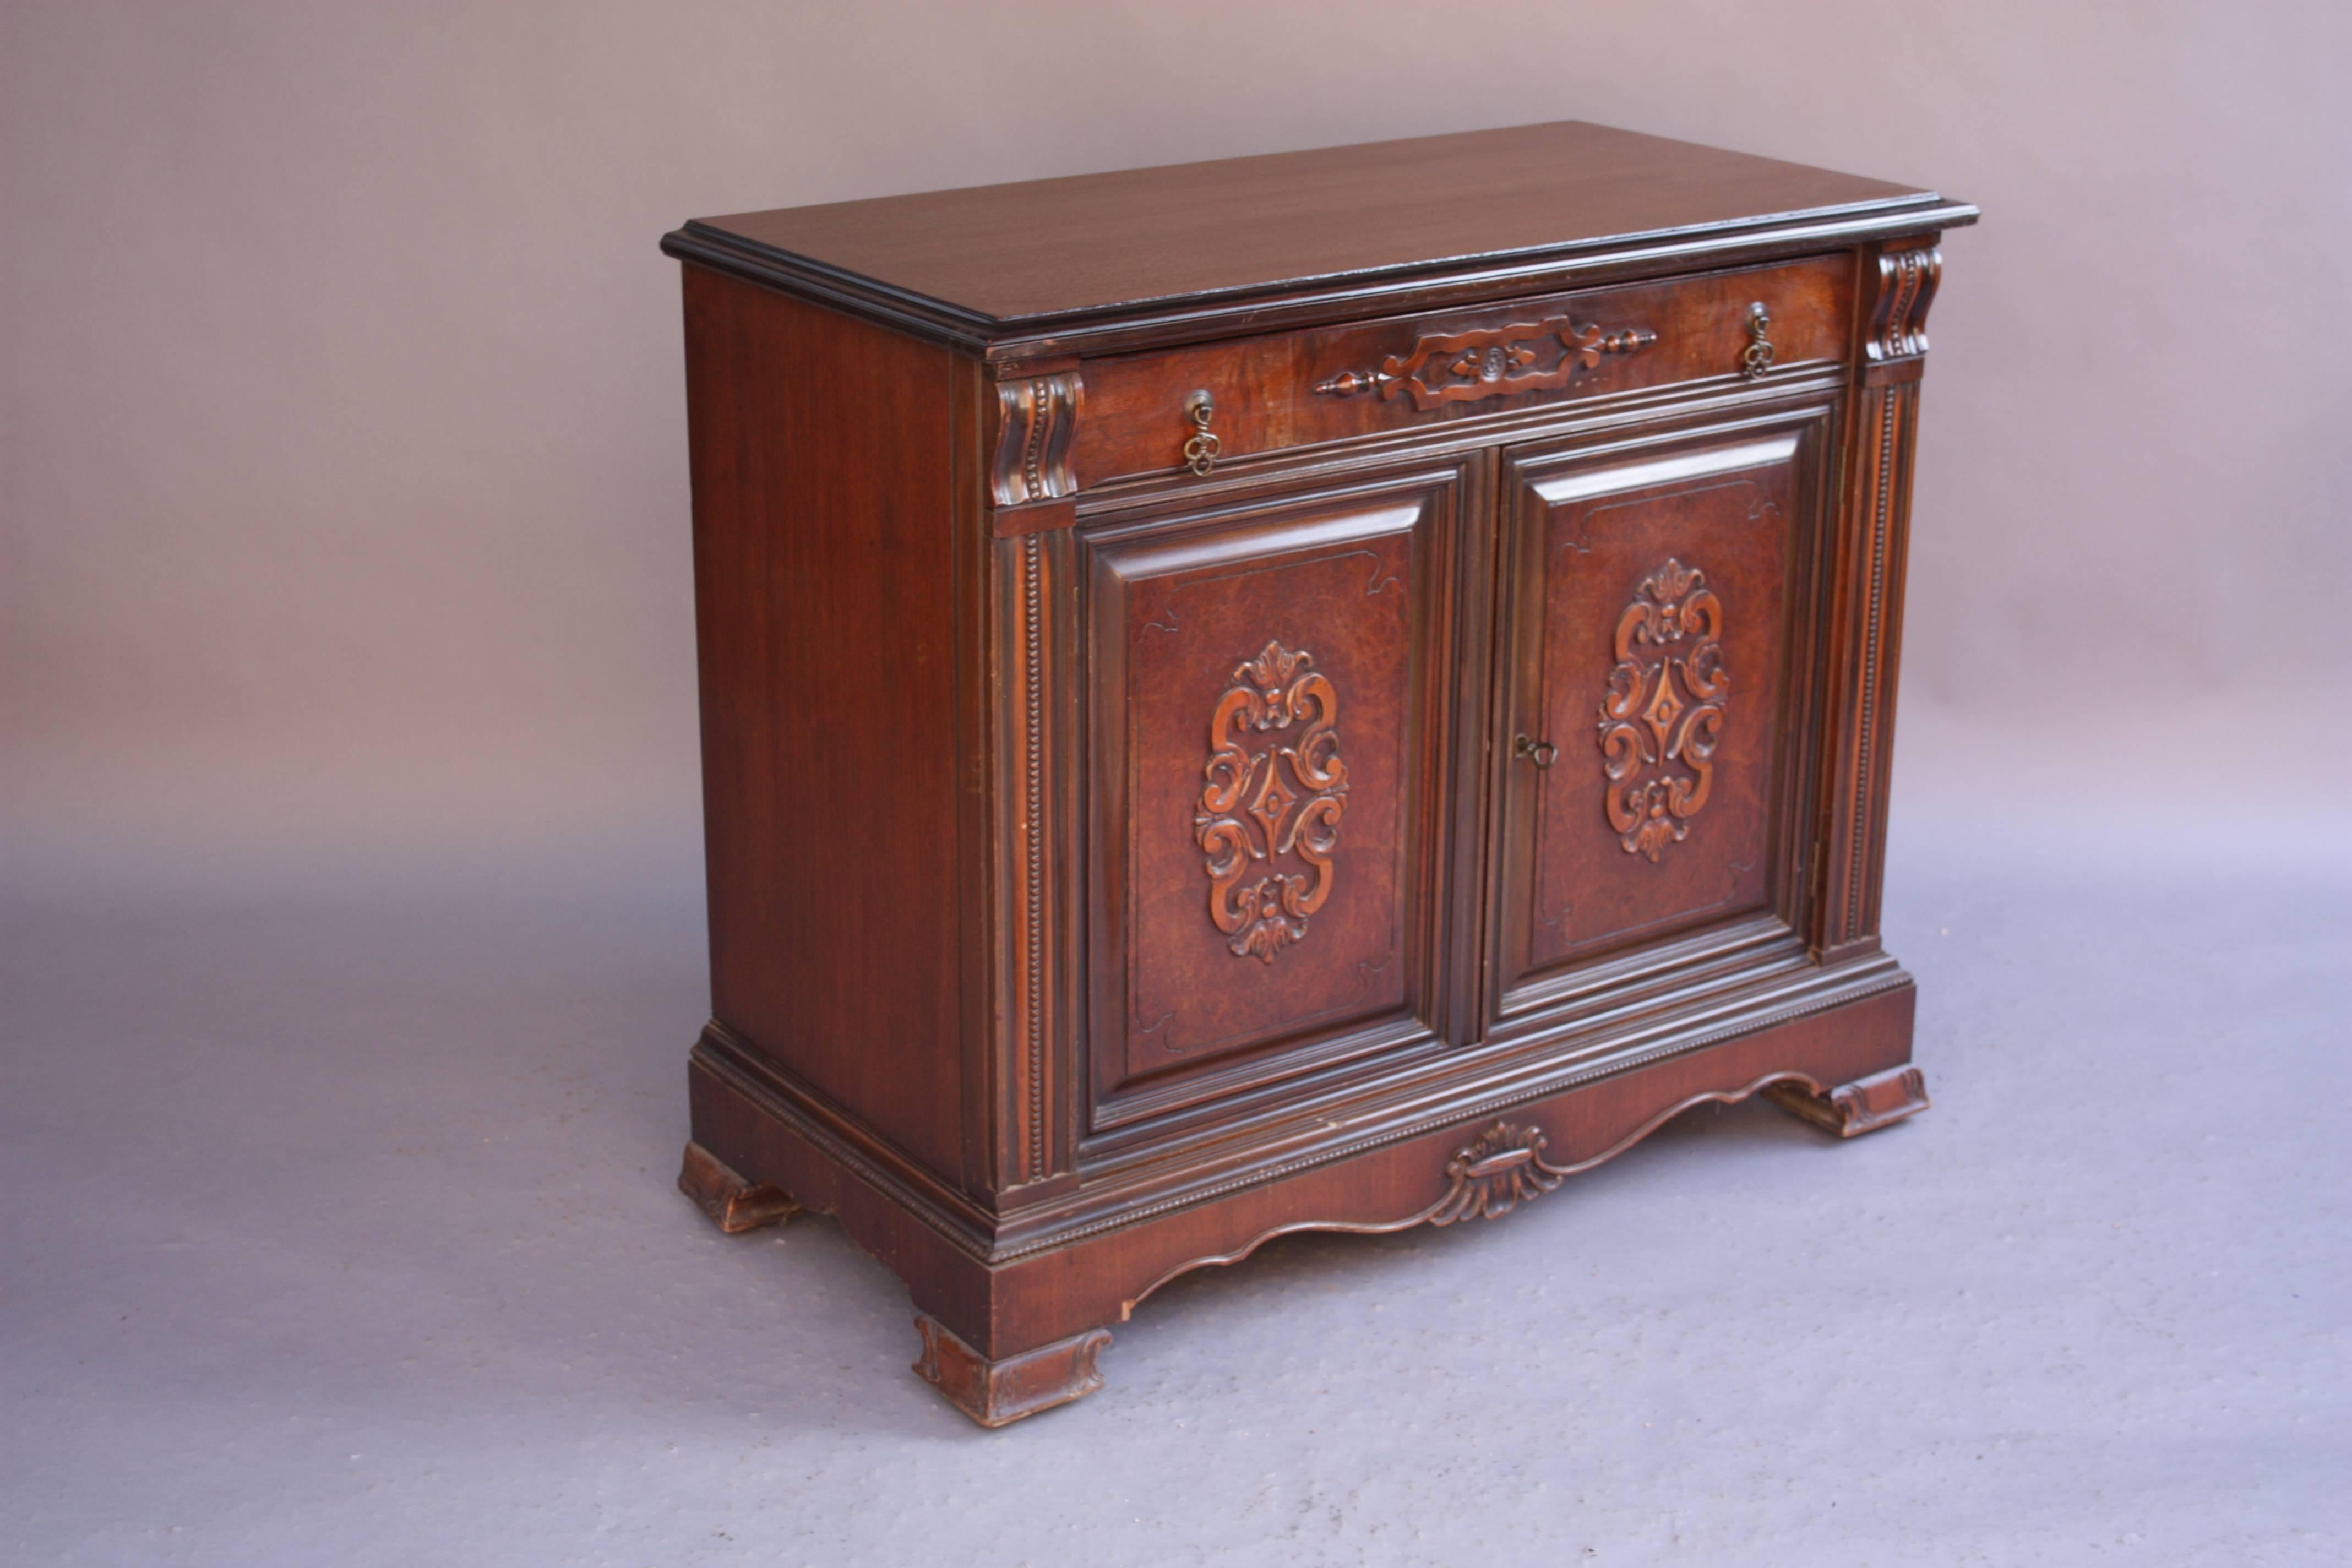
1035	416
1907	287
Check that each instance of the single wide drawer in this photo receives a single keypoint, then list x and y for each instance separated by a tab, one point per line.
1295	389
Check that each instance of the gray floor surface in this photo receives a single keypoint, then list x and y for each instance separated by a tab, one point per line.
339	1230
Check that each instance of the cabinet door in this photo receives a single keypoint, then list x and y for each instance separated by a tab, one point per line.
1267	707
1653	681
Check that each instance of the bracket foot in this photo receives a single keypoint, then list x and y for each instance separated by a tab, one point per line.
734	1204
995	1393
1851	1110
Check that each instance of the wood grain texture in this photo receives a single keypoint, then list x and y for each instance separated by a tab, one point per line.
1267	387
1045	249
1874	553
1035	416
734	1204
998	1393
1360	582
823	589
1115	862
1005	1302
1851	1110
1667	804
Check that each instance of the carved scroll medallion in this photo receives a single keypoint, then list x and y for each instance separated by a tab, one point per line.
1663	712
1275	792
1496	1171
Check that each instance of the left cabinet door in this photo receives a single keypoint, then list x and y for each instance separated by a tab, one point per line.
1269	698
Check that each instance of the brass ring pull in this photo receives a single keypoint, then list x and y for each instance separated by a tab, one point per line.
1758	357
1543	753
1201	451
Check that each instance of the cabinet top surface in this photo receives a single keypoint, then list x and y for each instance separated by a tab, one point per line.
1090	244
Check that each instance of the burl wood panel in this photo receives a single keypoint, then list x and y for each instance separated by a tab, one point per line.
1266	744
1650	634
1293	389
824	568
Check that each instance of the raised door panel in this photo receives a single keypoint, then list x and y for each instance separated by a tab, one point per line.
1268	706
1654	644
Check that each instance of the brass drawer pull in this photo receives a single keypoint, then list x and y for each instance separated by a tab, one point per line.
1757	360
1201	451
1543	753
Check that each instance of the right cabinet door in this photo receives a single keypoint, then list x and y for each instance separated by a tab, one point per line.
1656	680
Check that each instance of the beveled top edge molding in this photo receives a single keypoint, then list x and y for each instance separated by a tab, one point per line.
1422	286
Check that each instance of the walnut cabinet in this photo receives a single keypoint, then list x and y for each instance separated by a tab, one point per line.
1331	691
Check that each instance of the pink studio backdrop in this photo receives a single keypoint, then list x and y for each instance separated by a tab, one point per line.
343	459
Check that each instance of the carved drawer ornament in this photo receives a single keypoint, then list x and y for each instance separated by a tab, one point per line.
1265	800
1494	1174
1663	709
1461	367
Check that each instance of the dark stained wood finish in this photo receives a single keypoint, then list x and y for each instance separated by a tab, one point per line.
1035	414
1265	388
1266	673
734	1204
1867	613
824	594
1044	248
1851	1110
1006	1300
1477	757
998	1393
1664	803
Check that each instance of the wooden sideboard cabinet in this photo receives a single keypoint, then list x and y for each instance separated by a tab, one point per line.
1331	690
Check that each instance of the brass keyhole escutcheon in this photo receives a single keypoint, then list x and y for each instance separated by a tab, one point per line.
1201	451
1543	753
1757	360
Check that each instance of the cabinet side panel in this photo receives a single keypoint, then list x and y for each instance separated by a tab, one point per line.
823	559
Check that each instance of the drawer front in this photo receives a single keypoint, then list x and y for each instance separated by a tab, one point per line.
1266	711
1658	608
1295	389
